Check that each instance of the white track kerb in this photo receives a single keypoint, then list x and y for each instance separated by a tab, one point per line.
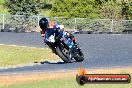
20	46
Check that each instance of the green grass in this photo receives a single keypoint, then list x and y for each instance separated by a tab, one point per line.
14	55
65	83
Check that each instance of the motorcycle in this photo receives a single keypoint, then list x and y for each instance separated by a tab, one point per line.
61	49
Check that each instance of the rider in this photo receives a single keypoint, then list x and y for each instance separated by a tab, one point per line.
44	24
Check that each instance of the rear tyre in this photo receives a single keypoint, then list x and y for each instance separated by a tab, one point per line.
62	56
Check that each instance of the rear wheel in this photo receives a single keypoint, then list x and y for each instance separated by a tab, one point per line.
63	53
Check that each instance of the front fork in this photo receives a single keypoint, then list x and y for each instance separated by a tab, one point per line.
75	50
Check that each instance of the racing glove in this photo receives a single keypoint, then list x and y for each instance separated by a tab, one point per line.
42	33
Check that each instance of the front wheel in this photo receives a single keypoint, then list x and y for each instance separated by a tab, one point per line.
79	56
63	53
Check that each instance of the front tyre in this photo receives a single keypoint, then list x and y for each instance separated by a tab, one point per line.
79	57
61	54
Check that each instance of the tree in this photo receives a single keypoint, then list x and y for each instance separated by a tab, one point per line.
126	9
110	10
74	8
23	7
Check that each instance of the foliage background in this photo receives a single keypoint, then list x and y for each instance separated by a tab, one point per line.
104	9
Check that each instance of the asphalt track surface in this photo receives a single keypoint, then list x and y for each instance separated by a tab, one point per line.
100	50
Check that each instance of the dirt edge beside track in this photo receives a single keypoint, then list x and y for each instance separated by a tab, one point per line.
19	78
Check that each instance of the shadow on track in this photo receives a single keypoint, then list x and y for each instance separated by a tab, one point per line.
48	62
